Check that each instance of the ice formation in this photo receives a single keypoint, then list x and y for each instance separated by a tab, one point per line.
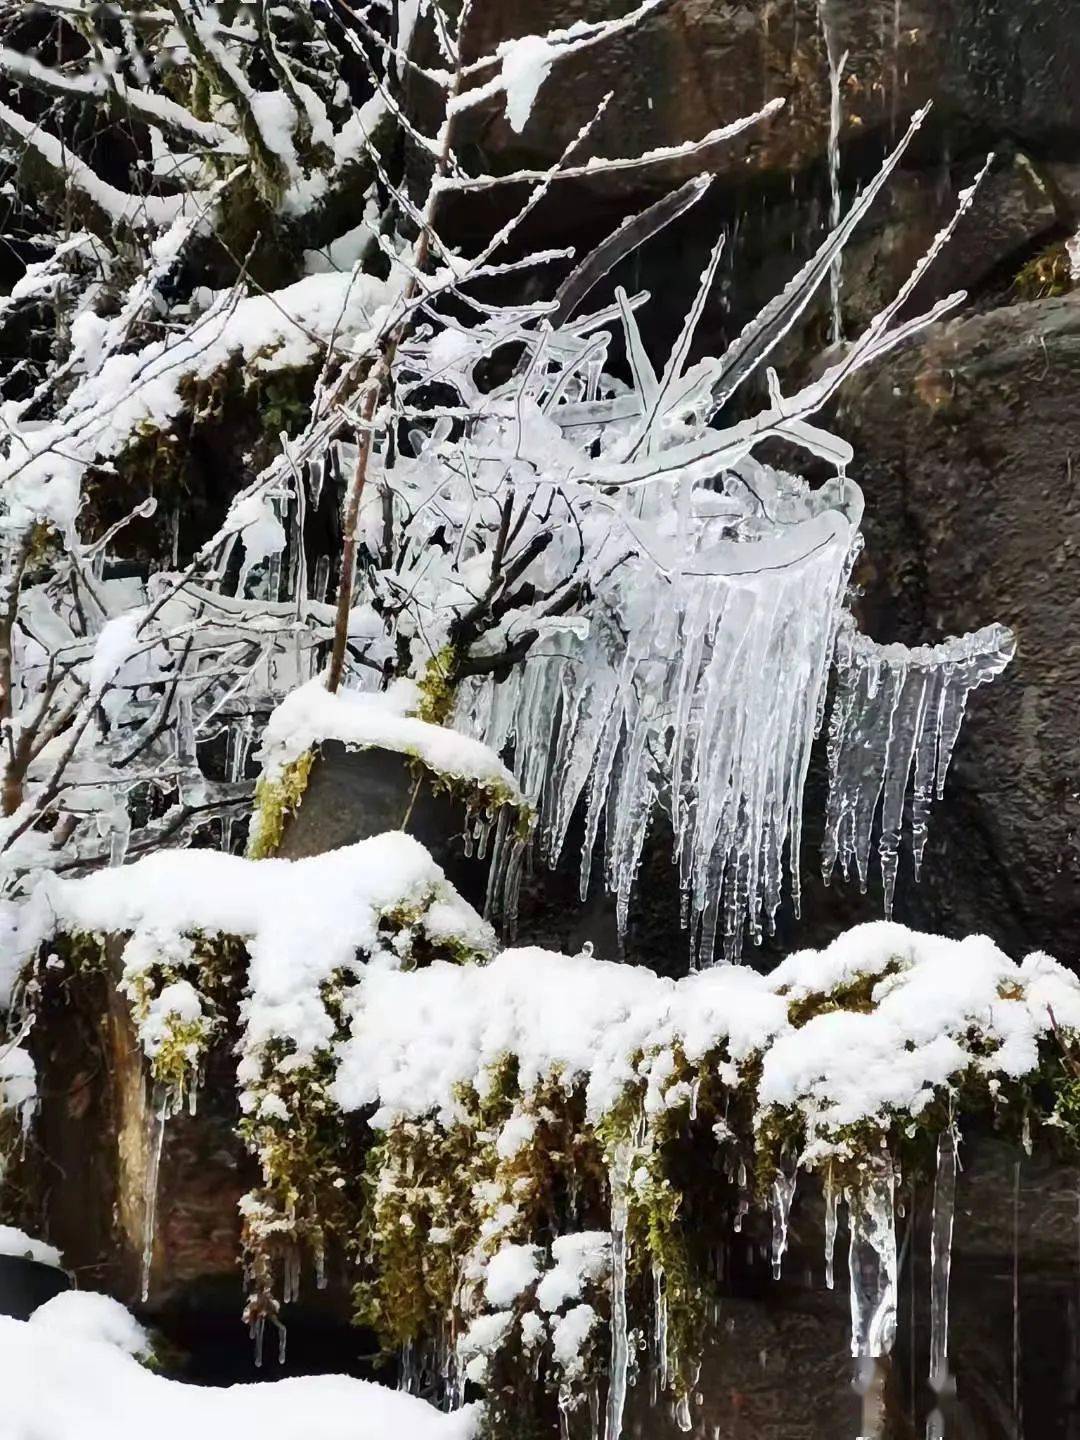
897	713
627	607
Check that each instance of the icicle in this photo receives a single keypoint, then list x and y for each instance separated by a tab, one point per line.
156	1114
896	709
710	691
872	1260
619	1180
408	1376
119	832
566	1406
1017	1404
836	75
682	1414
660	1326
831	1205
781	1196
941	1257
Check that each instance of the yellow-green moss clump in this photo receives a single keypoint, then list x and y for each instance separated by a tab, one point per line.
276	799
438	687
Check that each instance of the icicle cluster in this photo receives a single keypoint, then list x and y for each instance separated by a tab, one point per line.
897	714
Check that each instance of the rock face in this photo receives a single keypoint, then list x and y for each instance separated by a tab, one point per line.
969	454
777	1364
990	66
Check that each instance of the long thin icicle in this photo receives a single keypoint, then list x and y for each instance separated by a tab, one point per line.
832	1201
156	1114
782	1195
620	1339
941	1236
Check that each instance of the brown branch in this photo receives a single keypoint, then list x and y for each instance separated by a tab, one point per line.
13	780
373	395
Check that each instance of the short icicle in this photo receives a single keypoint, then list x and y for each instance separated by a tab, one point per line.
620	1343
660	1322
832	1200
782	1195
941	1236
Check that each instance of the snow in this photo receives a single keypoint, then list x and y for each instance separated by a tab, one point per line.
260	530
300	919
113	648
515	1135
120	207
416	1037
381	719
568	1335
578	1257
18	1243
18	1080
88	1315
512	1269
144	388
525	66
59	1385
178	1001
484	1336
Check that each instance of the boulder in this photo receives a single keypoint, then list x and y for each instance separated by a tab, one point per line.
968	445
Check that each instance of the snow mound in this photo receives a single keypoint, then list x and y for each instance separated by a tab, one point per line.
89	1315
57	1386
17	1243
300	920
932	1008
311	714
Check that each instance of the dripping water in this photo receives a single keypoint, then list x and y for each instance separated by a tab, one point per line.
1017	1407
896	66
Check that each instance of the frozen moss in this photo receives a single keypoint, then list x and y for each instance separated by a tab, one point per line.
276	798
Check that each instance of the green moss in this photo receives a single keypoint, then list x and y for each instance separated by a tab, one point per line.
275	801
1047	274
856	994
437	687
176	1058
